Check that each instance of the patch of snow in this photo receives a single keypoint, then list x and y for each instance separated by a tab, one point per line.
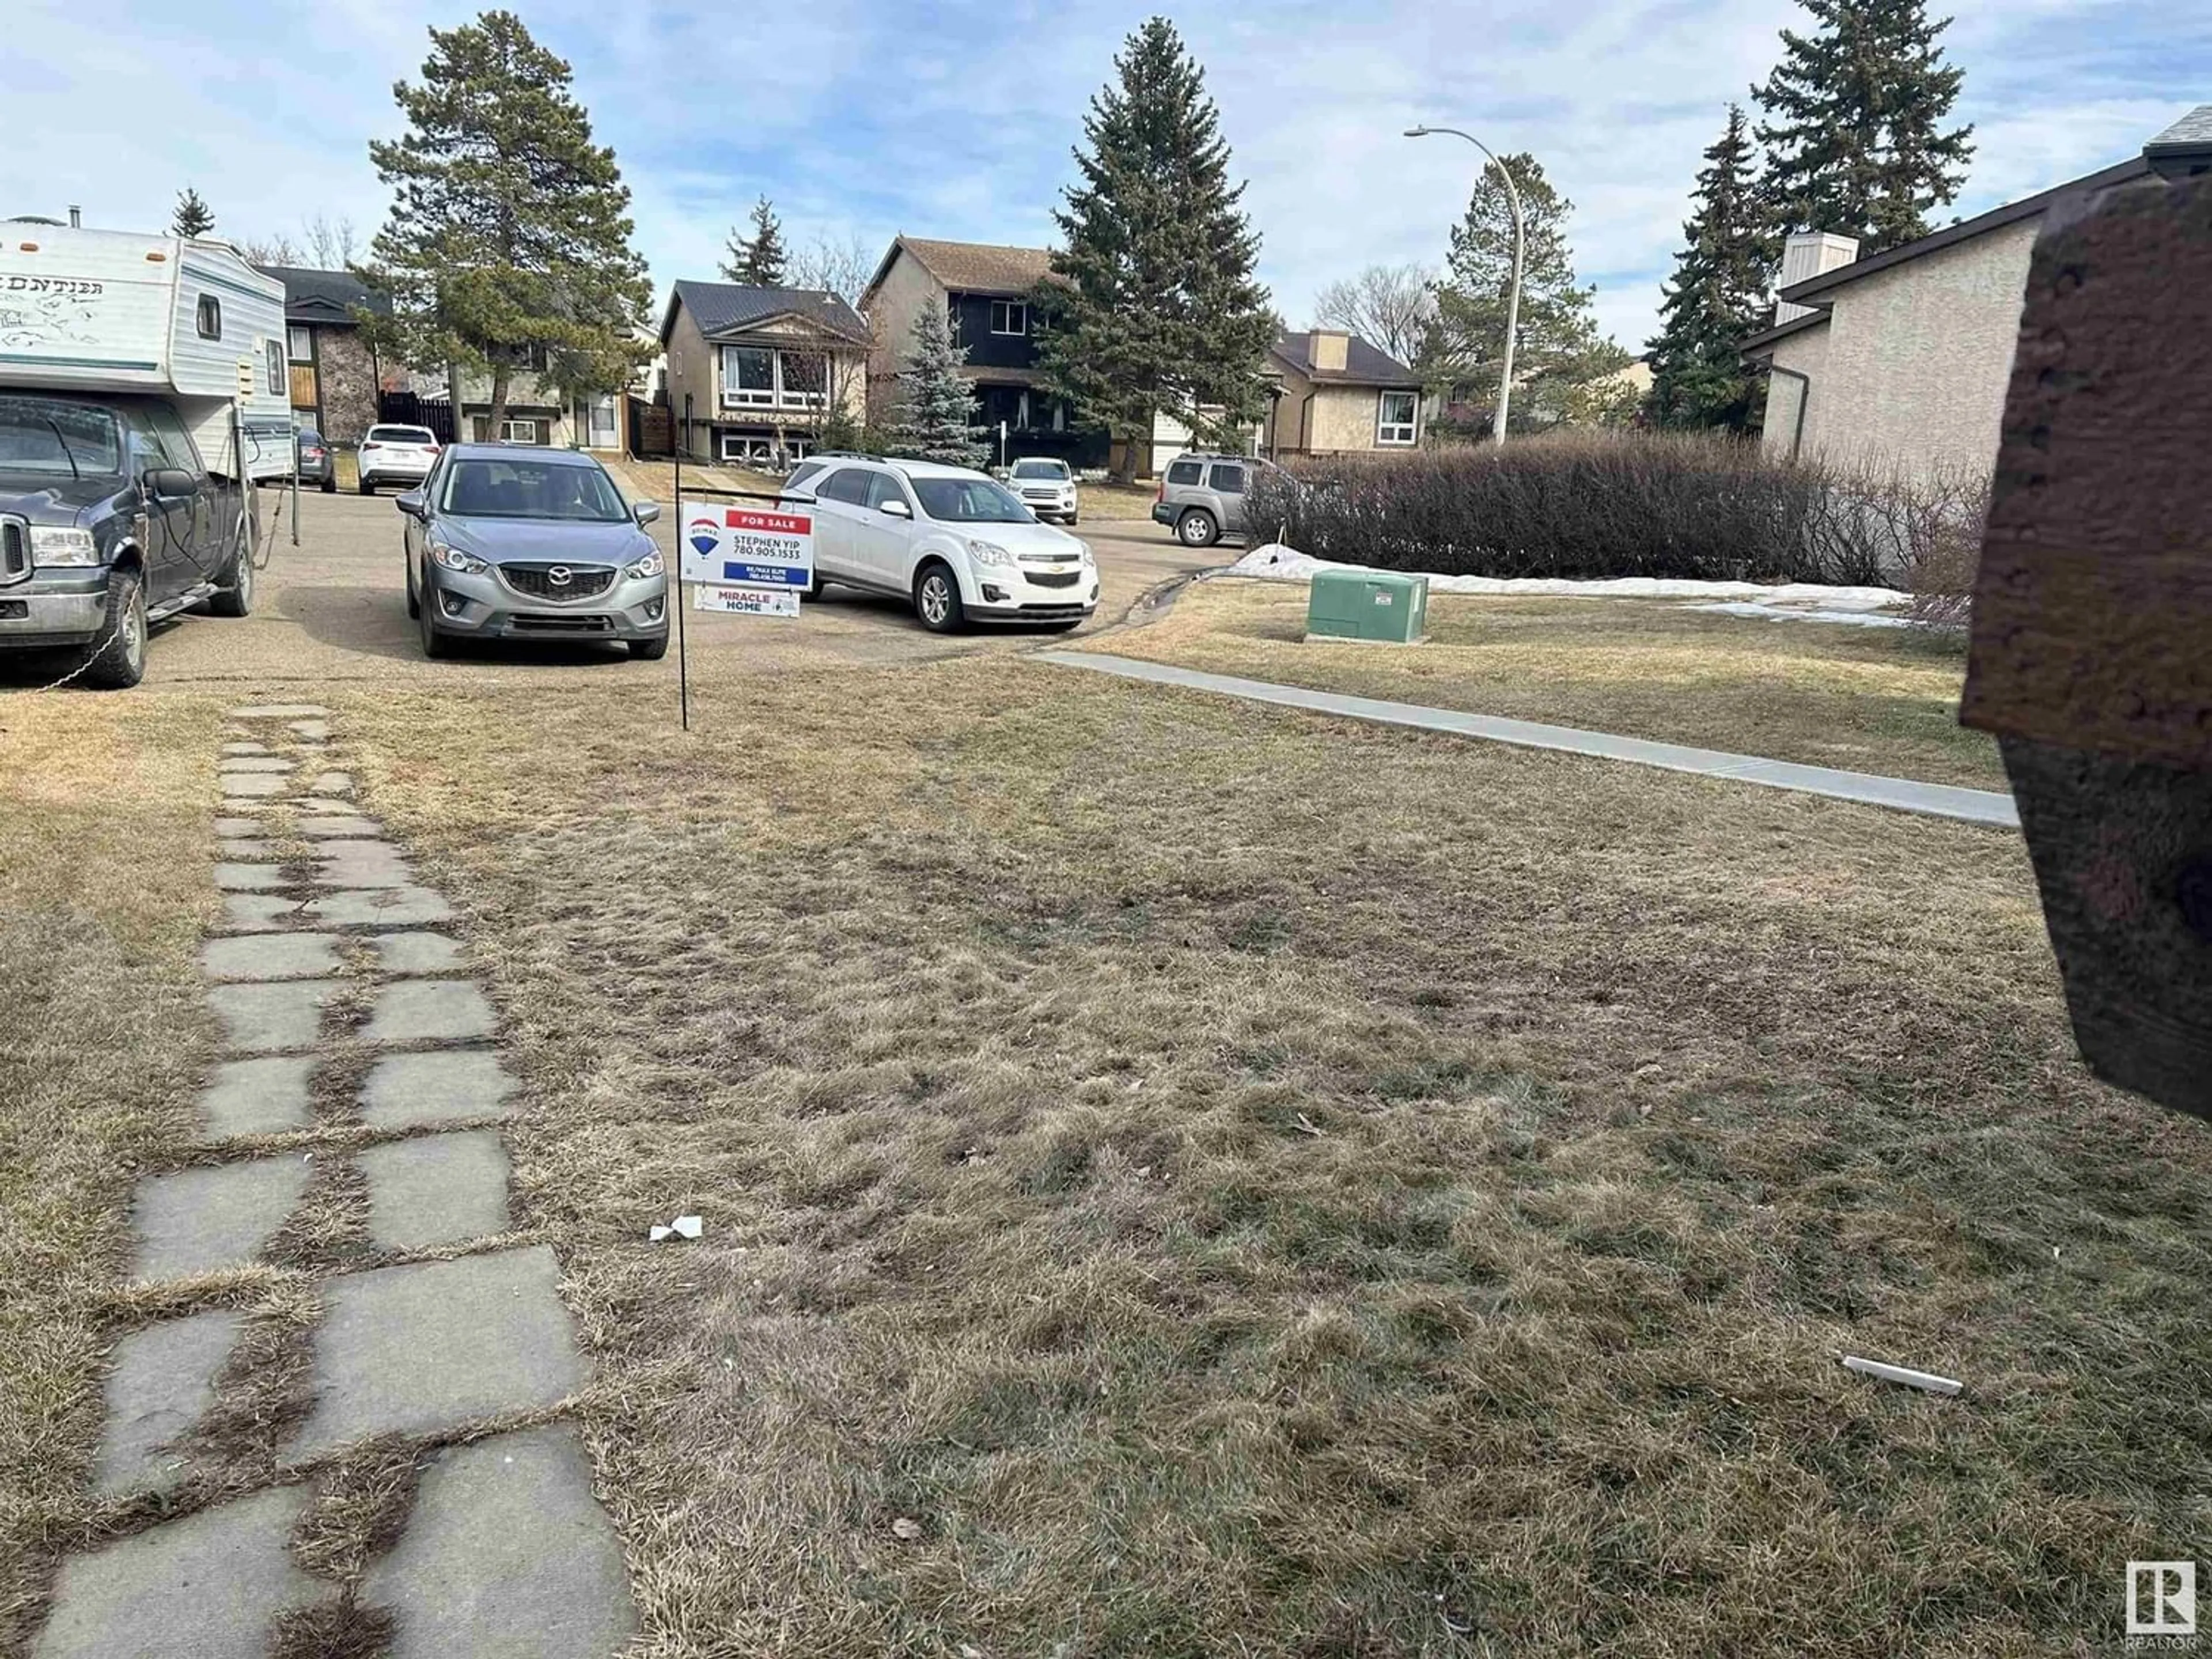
1272	562
1787	613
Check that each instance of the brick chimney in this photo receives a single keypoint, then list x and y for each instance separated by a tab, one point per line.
1326	348
1807	254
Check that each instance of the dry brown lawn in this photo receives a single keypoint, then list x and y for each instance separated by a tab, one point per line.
1867	700
1106	500
1182	1178
104	856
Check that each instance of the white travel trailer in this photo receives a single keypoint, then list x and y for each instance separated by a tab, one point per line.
186	321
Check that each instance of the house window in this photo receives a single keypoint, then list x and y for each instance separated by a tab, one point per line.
209	318
533	357
1010	317
748	375
300	343
804	377
276	356
1394	419
749	449
517	432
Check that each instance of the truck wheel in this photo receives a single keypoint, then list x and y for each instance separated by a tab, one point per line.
118	662
235	597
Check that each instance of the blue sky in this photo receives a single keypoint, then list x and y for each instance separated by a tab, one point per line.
864	118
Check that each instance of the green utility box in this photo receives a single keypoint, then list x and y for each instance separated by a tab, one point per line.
1367	605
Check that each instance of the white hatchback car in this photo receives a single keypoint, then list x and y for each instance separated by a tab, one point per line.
954	543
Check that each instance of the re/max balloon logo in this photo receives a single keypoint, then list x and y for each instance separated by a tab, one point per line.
705	535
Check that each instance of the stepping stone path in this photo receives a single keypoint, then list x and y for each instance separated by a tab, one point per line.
346	1016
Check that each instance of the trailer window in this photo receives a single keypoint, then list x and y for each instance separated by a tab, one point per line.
276	369
210	317
68	439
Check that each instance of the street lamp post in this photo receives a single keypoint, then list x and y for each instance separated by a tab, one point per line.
1513	301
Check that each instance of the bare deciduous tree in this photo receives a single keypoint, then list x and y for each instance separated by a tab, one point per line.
1390	307
277	250
839	268
331	241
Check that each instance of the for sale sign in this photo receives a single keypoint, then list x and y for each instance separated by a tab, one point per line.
745	601
747	546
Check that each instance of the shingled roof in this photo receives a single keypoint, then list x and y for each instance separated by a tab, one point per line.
1364	364
324	297
731	308
971	267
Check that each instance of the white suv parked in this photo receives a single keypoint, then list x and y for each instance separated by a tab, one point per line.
954	543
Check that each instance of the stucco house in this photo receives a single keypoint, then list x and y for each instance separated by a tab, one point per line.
1338	395
1901	360
984	289
763	368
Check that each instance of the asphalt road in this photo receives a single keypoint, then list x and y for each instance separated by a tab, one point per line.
333	610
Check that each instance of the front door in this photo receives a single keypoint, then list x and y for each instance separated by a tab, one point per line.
882	537
182	547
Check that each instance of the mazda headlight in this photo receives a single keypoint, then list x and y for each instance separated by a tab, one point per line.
453	559
641	570
991	554
60	547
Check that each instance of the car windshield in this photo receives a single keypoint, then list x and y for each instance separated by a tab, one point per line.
40	435
1056	471
969	501
530	490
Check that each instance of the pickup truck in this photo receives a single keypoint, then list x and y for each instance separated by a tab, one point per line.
110	522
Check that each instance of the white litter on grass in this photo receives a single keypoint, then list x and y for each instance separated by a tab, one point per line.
1272	562
685	1226
1911	1379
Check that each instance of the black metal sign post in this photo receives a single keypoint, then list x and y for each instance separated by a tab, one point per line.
779	497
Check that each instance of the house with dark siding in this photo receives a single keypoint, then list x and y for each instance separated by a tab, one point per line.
984	289
335	377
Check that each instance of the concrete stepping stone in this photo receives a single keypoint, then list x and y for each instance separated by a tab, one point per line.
247	850
332	783
416	953
279	711
269	1018
248	785
363	864
430	1010
240	826
507	1552
318	804
432	1345
447	1085
271	956
162	1383
258	913
323	826
435	1189
242	747
206	1587
248	878
264	1097
310	731
378	907
197	1221
271	764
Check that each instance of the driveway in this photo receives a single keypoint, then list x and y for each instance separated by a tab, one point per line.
333	610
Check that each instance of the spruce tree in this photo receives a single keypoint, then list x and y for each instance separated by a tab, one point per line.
509	232
1719	289
193	216
1563	367
1155	310
1854	130
759	261
934	420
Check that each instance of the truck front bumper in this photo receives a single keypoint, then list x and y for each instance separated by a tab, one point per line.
44	612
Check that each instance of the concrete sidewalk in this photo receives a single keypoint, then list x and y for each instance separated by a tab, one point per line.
1936	799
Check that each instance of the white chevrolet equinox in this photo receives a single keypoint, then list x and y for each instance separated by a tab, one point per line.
957	545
